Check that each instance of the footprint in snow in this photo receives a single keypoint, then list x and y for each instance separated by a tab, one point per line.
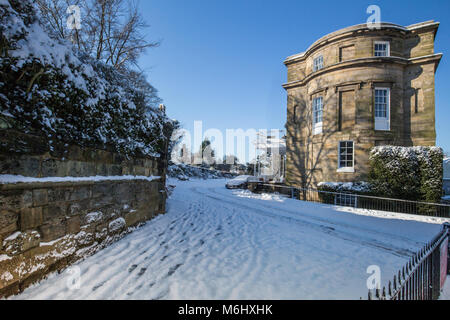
142	271
163	258
98	286
131	269
328	228
173	269
162	295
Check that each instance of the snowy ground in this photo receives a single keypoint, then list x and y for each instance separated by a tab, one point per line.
216	243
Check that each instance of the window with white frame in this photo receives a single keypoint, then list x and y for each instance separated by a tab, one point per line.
346	156
318	63
317	115
382	108
381	49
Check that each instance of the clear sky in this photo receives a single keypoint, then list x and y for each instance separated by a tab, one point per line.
222	61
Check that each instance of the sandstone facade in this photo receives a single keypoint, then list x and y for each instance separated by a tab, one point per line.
354	89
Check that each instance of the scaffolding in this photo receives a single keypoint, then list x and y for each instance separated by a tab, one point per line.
270	151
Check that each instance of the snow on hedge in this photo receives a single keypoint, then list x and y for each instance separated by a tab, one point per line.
182	171
48	88
413	173
355	187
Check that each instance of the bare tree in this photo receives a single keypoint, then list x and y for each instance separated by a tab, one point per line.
54	14
111	30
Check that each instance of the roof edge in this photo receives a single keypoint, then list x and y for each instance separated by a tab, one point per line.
383	25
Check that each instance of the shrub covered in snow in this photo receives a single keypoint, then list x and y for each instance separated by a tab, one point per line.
48	89
351	187
362	188
413	173
184	172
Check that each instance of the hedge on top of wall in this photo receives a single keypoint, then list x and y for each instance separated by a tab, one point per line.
49	89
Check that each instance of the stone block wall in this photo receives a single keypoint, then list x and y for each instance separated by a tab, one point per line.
22	154
46	226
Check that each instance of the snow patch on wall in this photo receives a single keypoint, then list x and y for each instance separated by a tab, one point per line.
7	178
117	225
6	276
93	217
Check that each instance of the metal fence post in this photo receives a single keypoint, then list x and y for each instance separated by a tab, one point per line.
436	274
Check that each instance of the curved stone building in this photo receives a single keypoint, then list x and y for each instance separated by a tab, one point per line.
354	89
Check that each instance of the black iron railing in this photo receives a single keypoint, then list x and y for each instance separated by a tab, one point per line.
356	201
423	277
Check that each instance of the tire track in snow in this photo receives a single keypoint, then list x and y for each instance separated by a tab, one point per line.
327	229
215	246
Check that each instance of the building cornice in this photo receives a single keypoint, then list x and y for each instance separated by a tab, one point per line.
356	30
434	58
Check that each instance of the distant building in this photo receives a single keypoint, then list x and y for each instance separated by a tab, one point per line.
354	89
270	157
185	155
447	177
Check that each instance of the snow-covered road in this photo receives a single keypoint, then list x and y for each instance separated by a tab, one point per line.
219	244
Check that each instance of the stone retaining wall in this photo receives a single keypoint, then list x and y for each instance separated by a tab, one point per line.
46	226
22	154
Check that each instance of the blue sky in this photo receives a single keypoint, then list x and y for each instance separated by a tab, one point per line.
222	61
